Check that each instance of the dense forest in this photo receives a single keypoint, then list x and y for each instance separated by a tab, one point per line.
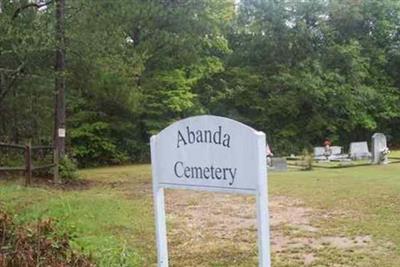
299	70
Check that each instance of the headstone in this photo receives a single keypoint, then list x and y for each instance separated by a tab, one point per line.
337	155
359	150
319	151
279	164
379	149
336	150
210	153
334	154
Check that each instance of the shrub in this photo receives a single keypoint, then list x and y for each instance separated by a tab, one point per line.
307	160
38	245
94	145
68	169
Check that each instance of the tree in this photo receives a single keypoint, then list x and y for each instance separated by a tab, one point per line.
59	114
298	70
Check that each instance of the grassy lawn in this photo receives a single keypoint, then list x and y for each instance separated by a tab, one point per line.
395	154
111	218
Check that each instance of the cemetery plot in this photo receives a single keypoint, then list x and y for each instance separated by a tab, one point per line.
333	154
358	151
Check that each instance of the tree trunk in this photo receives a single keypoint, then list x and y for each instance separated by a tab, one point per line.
59	116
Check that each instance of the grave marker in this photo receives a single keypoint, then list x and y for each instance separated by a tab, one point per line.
319	151
359	150
379	145
279	164
210	153
336	150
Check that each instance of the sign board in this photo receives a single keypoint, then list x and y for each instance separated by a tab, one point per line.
61	132
213	154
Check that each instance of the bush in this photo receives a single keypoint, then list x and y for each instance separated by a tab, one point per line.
39	245
307	160
94	145
68	169
9	157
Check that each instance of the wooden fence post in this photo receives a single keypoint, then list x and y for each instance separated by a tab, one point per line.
28	164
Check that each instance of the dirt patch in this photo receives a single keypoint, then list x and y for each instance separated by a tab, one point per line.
309	258
132	190
69	185
345	242
209	223
284	210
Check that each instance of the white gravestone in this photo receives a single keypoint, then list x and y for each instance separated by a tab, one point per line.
337	154
379	149
359	150
319	153
213	154
334	154
336	150
279	164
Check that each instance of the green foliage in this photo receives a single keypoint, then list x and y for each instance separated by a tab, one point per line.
304	70
94	145
298	70
38	245
68	169
121	241
11	157
308	160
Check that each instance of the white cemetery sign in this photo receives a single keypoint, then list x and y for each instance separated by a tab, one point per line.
213	154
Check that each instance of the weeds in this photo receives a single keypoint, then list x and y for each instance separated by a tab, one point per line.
38	245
